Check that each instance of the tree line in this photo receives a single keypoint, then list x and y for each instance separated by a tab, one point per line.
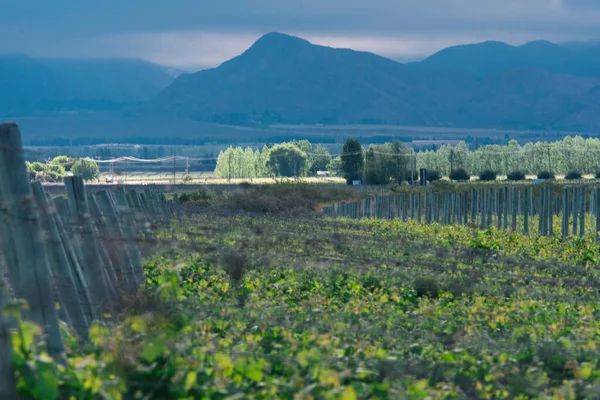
296	158
380	163
560	157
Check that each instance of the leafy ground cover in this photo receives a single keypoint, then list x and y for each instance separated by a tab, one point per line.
287	307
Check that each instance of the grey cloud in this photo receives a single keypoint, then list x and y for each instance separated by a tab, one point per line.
117	16
42	26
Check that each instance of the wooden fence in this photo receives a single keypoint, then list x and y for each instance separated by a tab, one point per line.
81	252
526	209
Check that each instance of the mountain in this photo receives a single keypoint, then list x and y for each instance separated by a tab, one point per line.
287	79
490	57
26	84
113	80
42	86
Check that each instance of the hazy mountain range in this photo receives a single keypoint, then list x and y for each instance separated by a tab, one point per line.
284	79
31	87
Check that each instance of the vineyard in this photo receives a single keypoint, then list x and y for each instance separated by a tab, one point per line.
298	291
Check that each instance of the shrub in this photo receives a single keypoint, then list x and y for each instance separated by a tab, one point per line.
427	286
545	175
516	176
488	175
442	185
87	169
459	174
201	196
409	177
572	175
433	176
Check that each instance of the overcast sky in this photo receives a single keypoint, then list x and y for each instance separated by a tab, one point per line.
193	34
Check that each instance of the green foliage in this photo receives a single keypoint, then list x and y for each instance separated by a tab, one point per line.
45	172
64	161
336	309
573	175
287	198
335	166
320	159
199	197
545	175
459	174
87	169
487	176
353	161
386	163
516	176
433	176
427	286
287	160
572	153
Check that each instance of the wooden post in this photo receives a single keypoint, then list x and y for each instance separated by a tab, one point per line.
505	209
565	214
550	210
575	208
117	242
128	225
78	276
92	262
426	209
513	209
582	212
419	207
597	214
62	271
109	270
490	208
592	208
526	212
33	278
499	207
473	206
541	218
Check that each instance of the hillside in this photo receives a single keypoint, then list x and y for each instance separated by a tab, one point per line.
42	86
111	80
286	79
492	57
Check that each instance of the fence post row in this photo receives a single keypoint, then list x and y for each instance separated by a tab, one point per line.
81	252
509	207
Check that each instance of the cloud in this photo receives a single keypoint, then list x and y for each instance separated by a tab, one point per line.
199	33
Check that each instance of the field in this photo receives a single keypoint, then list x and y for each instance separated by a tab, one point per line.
290	304
204	178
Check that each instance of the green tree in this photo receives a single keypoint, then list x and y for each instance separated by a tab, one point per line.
352	160
262	163
320	159
287	160
87	169
335	166
387	163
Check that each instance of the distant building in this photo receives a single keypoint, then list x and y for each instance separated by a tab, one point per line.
322	173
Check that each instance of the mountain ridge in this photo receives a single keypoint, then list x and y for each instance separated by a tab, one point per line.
286	79
39	86
281	78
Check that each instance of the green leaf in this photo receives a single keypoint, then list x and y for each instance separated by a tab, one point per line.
190	380
348	394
